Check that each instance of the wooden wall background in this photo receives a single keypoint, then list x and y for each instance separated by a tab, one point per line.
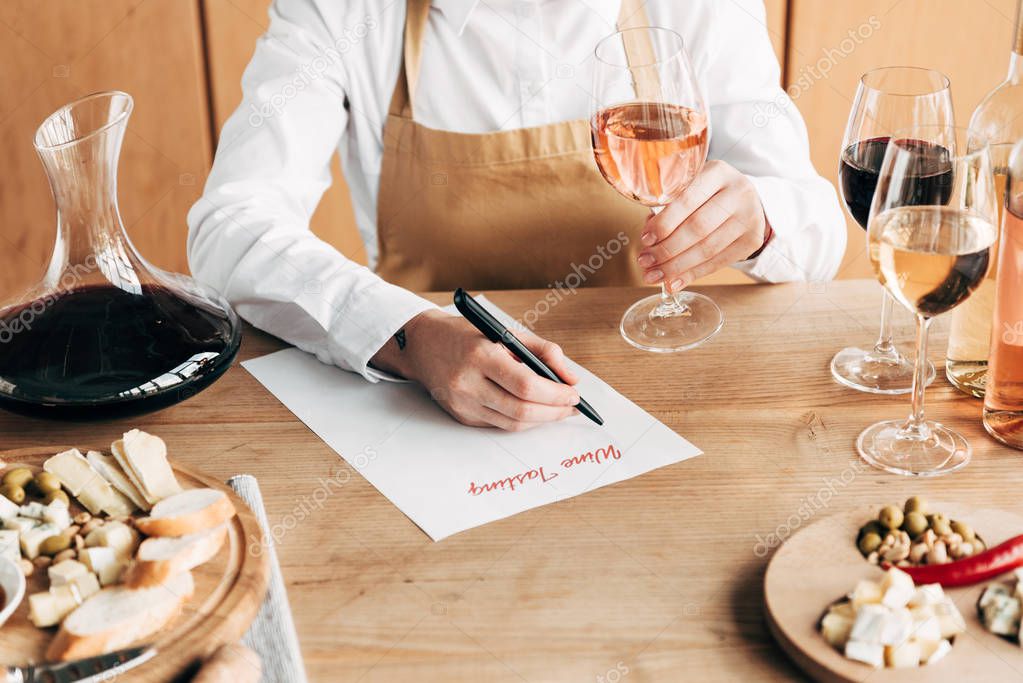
182	61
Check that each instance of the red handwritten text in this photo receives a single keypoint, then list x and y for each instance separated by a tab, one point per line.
509	483
596	457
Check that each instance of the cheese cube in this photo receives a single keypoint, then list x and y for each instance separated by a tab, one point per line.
869	626
9	547
927	629
928	594
897	587
931	654
949	618
50	607
33	538
7	508
117	535
104	562
868	653
1000	613
836	628
904	656
897	627
62	573
865	593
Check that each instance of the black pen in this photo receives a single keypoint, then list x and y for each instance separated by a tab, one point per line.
492	328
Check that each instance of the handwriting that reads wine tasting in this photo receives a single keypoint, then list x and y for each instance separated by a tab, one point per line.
539	475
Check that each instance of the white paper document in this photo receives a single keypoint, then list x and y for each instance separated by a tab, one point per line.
448	477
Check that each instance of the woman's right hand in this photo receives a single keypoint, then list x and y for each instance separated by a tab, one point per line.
479	382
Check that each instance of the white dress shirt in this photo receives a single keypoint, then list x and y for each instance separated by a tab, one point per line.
322	77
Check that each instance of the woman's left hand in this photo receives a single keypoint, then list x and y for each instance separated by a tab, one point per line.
718	221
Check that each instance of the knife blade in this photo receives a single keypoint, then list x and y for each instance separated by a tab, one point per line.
89	670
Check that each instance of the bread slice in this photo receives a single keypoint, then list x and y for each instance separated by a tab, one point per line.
143	457
117	616
188	512
161	557
108	468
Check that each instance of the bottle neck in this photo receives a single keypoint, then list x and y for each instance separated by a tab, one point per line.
1016	57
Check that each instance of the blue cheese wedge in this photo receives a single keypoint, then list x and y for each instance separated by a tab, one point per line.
55	513
9	545
8	509
22	524
1000	611
34	537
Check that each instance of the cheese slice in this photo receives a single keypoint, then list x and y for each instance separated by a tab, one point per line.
108	468
86	484
143	457
9	545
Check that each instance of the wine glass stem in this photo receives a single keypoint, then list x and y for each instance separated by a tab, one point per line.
885	345
916	426
671	305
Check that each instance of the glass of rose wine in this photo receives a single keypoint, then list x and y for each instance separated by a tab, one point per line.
887	99
650	137
930	238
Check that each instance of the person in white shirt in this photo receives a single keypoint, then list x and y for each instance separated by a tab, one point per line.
463	134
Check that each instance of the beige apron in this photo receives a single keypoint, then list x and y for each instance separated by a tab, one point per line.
514	209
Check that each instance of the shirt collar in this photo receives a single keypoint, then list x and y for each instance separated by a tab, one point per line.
457	11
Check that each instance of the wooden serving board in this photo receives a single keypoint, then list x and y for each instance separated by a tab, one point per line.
820	564
229	590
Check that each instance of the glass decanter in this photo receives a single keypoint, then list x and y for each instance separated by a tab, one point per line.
104	332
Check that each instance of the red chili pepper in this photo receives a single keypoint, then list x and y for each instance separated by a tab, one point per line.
974	569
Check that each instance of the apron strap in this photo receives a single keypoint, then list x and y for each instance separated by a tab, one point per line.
416	14
638	50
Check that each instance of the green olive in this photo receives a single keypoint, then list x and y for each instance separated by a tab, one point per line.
57	495
941	526
869	543
46	483
914	524
19	476
13	493
871	527
964	530
916	504
55	544
890	517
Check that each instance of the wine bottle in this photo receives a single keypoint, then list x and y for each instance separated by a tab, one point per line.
1003	401
999	116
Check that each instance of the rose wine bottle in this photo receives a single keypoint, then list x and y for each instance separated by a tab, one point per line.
1003	400
999	116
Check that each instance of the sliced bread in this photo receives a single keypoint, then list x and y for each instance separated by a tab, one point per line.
143	457
161	557
115	617
188	512
108	468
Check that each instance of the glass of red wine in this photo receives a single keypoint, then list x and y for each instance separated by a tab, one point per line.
887	99
650	136
930	242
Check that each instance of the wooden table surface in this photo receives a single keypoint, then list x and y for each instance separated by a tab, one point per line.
653	579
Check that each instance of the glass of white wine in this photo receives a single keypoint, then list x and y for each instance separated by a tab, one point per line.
930	236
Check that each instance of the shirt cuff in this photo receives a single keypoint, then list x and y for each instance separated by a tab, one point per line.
372	317
771	264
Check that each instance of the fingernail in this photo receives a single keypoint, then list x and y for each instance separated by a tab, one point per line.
647	238
653	276
676	285
646	260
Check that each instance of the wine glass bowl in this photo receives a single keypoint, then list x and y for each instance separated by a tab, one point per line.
930	244
650	134
887	99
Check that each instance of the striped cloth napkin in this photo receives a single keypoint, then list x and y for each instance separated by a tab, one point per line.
272	634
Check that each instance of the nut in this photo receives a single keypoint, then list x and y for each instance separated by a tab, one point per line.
68	554
93	523
26	567
73	529
42	562
938	554
917	553
81	518
896	553
965	549
79	542
872	558
929	537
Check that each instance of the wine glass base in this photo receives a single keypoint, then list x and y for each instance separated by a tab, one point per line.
886	446
865	370
669	334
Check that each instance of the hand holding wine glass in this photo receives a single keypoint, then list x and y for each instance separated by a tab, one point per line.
930	245
649	130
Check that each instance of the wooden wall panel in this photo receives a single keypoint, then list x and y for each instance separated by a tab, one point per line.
777	16
232	27
56	51
969	41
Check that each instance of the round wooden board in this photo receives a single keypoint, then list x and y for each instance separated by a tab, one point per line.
820	564
229	590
